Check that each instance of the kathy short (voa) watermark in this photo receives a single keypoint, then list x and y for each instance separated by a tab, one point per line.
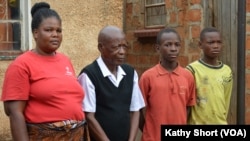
191	132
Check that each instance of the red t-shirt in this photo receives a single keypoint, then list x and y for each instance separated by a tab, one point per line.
49	85
167	95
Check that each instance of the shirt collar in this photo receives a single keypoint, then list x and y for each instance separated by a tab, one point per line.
163	71
104	69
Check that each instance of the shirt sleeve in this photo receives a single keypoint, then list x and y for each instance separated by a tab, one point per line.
228	92
89	101
137	101
16	83
191	100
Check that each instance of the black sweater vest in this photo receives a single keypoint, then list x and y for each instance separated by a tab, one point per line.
112	103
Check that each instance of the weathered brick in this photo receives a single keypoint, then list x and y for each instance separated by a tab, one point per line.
248	81
247	103
195	31
131	59
173	17
195	2
154	59
143	59
183	60
168	3
195	57
248	6
181	18
248	61
248	42
194	15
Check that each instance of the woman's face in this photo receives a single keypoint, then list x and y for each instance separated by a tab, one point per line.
48	36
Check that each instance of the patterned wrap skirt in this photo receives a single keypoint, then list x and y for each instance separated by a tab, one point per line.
59	131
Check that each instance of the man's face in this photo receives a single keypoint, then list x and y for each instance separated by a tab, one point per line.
114	49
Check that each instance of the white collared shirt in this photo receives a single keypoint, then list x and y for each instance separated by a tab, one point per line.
89	102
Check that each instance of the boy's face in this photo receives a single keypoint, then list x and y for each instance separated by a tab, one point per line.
211	44
169	47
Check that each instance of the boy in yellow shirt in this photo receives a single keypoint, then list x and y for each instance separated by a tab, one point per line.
213	81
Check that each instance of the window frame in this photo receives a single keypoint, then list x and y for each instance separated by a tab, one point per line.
145	15
26	36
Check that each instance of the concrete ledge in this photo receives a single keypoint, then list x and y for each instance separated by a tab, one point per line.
146	33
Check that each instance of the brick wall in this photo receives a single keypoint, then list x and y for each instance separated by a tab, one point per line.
186	17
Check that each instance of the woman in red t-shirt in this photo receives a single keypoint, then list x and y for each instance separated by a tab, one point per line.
41	94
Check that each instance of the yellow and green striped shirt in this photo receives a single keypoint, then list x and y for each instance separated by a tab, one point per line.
213	89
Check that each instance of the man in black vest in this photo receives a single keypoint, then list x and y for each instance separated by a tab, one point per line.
113	98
